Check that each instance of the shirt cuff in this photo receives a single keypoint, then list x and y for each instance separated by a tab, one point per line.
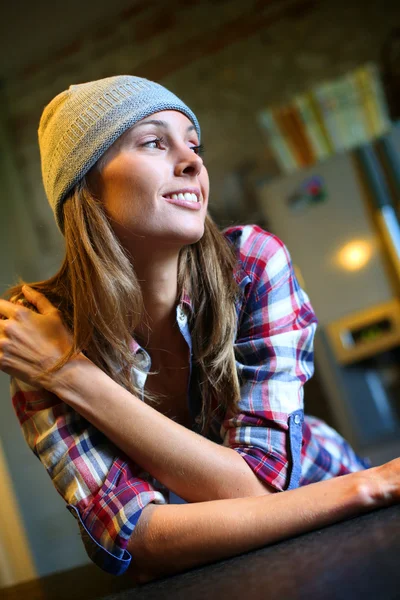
113	564
280	470
106	526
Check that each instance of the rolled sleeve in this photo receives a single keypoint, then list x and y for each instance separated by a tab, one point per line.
274	358
104	491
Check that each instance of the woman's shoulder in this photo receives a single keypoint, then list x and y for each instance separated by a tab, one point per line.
256	248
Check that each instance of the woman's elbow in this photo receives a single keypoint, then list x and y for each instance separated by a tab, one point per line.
140	570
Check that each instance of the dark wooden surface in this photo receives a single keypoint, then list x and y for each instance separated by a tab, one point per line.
354	559
359	558
82	583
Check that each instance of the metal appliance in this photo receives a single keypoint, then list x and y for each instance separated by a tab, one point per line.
339	220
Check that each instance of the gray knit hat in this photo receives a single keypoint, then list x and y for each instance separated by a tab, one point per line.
80	124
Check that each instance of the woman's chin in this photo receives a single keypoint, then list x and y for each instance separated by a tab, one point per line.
186	236
157	239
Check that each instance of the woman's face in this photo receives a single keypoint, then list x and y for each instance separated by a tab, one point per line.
141	177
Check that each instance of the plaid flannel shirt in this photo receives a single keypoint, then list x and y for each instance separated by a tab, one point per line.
107	492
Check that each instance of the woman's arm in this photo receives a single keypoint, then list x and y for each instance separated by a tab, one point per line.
104	491
187	463
193	467
173	538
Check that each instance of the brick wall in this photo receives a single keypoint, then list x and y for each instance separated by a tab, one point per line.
226	59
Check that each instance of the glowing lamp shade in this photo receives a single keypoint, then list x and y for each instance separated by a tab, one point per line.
354	255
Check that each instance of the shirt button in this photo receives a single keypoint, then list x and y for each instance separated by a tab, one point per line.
297	419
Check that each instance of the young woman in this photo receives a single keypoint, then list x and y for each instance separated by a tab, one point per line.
158	375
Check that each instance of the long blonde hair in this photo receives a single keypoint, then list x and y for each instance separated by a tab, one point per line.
100	300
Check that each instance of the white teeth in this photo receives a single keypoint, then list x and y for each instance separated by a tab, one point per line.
188	197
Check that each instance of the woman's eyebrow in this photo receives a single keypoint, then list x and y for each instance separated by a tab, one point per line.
159	123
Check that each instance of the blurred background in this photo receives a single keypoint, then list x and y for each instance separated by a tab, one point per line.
299	103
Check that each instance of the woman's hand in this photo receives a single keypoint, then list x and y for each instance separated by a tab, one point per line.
31	342
382	483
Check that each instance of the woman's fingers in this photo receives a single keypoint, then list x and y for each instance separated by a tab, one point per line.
38	300
33	300
8	309
30	343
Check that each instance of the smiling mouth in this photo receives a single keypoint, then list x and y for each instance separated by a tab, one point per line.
188	197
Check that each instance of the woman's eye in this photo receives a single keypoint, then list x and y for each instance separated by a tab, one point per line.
160	142
157	142
199	150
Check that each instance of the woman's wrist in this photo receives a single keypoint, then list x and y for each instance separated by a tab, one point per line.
385	483
378	486
61	382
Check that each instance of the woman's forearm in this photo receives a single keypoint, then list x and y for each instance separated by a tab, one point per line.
187	463
169	539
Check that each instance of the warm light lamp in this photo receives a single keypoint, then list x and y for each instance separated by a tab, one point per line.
355	255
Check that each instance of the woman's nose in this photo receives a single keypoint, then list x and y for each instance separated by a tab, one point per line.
188	162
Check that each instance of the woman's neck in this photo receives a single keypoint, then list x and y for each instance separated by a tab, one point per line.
158	280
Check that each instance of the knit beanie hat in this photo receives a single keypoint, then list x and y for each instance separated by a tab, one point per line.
81	123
